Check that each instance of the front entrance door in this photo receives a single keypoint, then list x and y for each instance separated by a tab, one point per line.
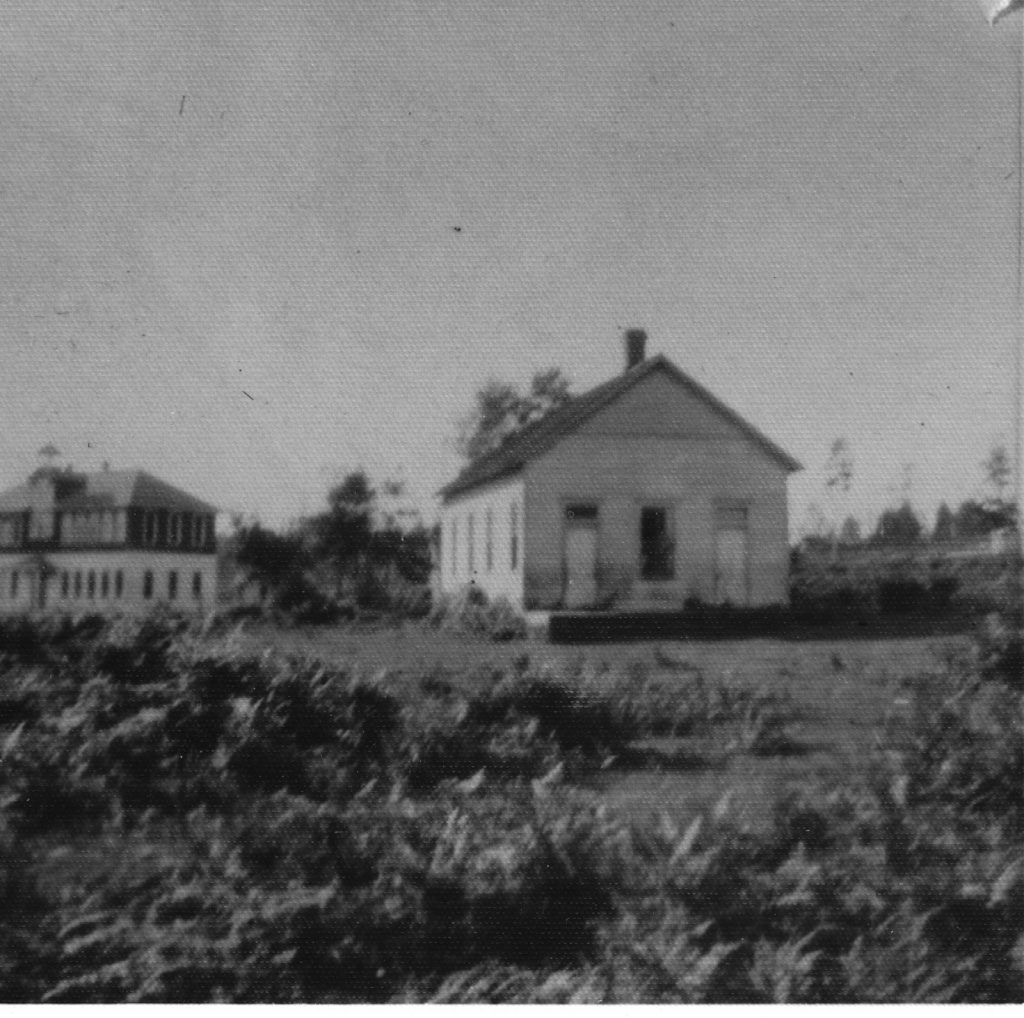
731	566
580	565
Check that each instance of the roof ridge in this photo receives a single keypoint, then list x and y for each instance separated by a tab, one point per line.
508	457
129	487
518	442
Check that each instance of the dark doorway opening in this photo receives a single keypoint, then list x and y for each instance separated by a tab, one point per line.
657	550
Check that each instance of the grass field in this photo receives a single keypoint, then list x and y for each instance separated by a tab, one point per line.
839	692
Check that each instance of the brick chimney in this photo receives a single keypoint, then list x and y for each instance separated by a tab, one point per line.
636	341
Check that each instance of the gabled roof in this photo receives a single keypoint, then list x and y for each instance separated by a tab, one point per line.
536	438
111	489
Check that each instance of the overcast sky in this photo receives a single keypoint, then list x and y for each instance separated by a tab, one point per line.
251	247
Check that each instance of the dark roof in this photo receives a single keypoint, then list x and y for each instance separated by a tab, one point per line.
536	438
111	489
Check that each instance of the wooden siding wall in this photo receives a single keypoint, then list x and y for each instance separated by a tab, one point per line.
501	580
657	445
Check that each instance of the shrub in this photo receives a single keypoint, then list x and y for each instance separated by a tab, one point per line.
410	601
312	729
25	955
441	886
576	719
521	727
901	594
942	589
765	730
1000	647
314	608
828	593
960	745
469	611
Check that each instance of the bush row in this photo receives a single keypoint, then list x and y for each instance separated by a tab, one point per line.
901	584
470	611
149	715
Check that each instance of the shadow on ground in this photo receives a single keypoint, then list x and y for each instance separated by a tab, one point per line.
754	624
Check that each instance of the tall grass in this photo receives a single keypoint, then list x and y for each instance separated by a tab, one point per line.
183	822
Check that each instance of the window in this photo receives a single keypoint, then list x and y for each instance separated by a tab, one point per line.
41	524
174	527
82	528
455	547
65	583
118	583
581	513
78	583
657	551
91	584
197	585
489	540
10	531
469	545
513	545
107	527
150	528
172	584
197	531
14	584
105	584
147	584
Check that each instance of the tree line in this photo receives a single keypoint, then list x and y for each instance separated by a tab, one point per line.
357	553
354	553
901	526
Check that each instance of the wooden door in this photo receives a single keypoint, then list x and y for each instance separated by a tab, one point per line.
731	566
580	566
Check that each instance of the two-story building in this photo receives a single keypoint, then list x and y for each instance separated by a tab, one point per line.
114	541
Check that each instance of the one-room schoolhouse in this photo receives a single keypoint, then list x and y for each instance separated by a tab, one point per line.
643	493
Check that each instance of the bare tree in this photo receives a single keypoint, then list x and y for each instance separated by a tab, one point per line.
998	472
838	478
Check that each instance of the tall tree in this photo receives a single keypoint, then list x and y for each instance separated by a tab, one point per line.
945	525
277	562
501	409
998	472
838	478
340	537
898	527
849	533
356	548
974	519
359	546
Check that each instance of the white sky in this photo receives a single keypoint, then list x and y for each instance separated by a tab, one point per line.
810	206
